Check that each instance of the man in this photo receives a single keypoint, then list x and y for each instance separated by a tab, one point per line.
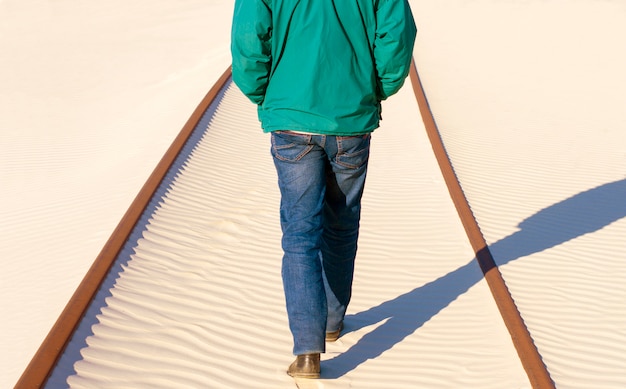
318	71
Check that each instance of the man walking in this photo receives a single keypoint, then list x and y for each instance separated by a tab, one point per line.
318	71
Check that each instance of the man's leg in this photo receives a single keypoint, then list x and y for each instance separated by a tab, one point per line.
345	181
300	163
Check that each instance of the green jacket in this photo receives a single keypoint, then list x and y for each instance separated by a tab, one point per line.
321	66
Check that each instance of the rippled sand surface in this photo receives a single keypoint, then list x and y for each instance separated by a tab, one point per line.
528	97
529	111
198	302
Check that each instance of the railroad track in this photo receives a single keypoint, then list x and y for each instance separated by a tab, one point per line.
42	364
51	350
528	353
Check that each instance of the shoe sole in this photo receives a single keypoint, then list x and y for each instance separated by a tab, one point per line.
333	336
309	376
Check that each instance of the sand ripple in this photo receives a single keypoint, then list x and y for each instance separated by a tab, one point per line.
196	298
542	163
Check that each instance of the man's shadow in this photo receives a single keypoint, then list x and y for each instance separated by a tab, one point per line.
581	214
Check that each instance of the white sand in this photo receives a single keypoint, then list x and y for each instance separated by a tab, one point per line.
91	96
198	303
529	98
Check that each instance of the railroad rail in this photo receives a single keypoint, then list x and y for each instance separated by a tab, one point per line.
41	365
50	351
524	345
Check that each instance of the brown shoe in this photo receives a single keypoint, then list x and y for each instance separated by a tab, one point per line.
305	366
334	335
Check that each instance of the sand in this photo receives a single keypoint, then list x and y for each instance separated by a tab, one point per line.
528	98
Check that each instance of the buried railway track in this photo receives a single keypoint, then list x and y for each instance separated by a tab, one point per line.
43	363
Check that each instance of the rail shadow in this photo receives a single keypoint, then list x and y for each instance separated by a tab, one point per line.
583	213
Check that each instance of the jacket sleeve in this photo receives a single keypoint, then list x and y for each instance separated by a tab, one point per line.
393	45
251	47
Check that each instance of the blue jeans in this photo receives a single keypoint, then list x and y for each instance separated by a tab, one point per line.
321	180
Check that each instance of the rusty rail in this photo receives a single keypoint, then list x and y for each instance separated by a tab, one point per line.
527	351
42	364
46	357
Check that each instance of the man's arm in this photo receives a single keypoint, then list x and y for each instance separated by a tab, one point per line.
251	47
393	45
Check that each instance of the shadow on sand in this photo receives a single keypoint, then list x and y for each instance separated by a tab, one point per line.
581	214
